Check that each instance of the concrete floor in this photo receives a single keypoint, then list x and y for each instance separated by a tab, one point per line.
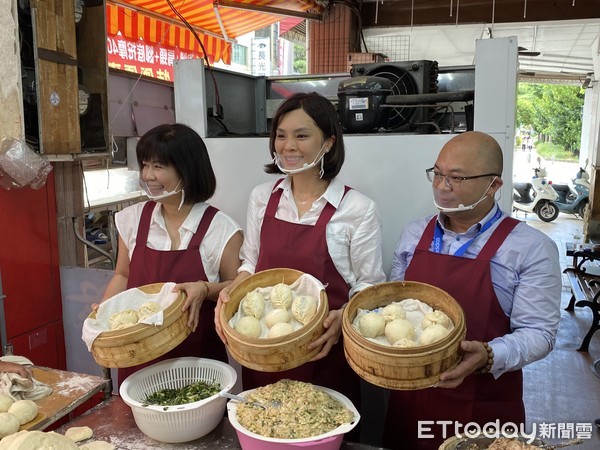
562	390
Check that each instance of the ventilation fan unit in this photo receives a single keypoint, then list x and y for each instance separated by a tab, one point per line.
407	78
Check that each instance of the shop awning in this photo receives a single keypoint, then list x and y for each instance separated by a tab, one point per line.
217	22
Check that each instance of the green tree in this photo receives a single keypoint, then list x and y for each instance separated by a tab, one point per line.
552	110
299	64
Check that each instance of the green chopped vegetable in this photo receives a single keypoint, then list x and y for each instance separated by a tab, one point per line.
188	394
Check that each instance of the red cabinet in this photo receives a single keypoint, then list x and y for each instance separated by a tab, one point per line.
30	274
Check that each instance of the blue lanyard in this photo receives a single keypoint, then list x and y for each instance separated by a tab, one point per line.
439	234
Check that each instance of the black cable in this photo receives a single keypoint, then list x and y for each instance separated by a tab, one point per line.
353	7
222	123
207	62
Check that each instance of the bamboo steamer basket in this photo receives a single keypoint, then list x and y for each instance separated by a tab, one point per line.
142	342
271	354
402	368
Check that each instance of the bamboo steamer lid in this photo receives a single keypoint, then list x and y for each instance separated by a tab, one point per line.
142	342
271	354
402	368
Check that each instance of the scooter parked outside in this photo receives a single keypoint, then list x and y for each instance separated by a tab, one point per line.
573	198
536	197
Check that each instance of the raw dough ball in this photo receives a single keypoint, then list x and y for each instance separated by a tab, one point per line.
280	329
9	424
148	309
438	317
37	440
304	308
281	296
5	402
277	316
248	326
398	329
371	324
432	334
25	410
77	434
97	445
254	304
123	319
404	343
393	311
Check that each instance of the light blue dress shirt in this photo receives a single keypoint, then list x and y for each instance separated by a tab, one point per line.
527	280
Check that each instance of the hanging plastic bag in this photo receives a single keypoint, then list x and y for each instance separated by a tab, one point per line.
20	166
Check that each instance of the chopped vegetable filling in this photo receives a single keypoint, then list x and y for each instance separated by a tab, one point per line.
188	394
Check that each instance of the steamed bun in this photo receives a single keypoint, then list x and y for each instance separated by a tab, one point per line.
404	343
123	319
148	309
399	329
393	311
371	324
276	316
248	326
432	334
434	317
280	329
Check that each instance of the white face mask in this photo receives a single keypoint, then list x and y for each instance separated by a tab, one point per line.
318	158
462	207
165	194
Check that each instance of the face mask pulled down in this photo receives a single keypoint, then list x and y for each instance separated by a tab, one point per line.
462	207
318	159
165	194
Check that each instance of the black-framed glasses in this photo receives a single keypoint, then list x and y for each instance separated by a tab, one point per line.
452	182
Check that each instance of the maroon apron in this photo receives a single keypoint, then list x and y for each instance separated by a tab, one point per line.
148	266
304	247
479	398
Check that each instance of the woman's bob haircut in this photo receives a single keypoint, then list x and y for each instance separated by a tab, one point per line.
179	146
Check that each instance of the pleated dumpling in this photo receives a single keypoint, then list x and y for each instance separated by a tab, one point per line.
281	296
254	304
304	308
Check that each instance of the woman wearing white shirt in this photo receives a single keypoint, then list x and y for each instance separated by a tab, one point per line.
311	222
177	237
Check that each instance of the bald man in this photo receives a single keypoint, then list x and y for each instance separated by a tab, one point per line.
505	274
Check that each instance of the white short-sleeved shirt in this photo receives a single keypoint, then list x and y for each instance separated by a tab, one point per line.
220	231
354	233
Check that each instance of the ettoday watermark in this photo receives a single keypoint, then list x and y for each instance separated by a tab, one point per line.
496	430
